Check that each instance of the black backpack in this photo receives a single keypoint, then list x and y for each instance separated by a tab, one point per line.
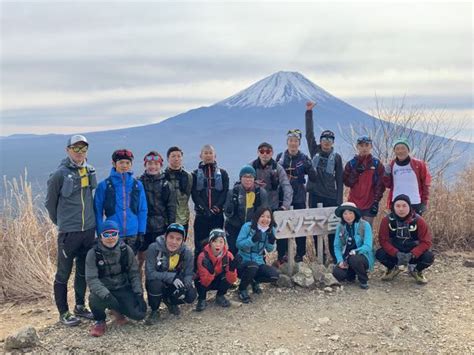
110	201
100	261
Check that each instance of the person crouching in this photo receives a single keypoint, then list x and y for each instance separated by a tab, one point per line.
169	272
114	280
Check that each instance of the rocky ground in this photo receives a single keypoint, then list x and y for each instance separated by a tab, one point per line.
399	317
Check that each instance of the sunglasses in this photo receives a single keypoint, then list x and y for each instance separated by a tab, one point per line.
110	234
327	139
265	151
77	149
153	158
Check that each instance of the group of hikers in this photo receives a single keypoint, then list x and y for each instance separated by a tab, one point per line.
142	223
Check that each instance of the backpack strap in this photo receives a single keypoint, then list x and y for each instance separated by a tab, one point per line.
124	258
258	199
135	197
109	200
99	261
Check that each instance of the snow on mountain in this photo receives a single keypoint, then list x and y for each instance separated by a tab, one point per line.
277	89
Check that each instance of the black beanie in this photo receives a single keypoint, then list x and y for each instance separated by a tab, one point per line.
402	197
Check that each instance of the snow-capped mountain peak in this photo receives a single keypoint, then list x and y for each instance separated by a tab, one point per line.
277	89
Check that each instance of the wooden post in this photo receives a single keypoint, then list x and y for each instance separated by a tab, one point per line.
291	254
321	239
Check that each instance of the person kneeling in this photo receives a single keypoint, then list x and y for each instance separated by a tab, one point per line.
216	270
114	280
169	272
405	240
353	246
254	239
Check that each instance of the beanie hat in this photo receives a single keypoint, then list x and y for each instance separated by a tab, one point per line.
327	134
176	227
217	233
402	197
122	154
247	169
350	206
364	139
153	156
109	225
294	133
402	141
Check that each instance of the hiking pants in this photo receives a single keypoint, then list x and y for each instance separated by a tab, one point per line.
158	290
327	202
220	284
358	265
128	305
424	261
250	271
72	246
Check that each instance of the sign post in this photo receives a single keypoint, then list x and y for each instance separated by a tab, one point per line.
293	224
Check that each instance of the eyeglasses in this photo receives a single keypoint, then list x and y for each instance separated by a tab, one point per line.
78	149
265	151
109	234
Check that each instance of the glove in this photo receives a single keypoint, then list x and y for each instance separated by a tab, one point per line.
374	209
178	284
188	284
140	301
139	241
208	265
360	168
233	264
271	237
112	302
403	258
388	169
421	208
257	236
215	210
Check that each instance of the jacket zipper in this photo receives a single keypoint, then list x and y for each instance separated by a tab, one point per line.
83	208
209	191
124	208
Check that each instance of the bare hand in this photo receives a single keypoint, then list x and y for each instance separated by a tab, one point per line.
310	105
343	265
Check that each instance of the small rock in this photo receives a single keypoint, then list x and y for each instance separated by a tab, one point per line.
324	320
334	337
284	281
328	289
329	280
24	338
285	269
468	263
304	276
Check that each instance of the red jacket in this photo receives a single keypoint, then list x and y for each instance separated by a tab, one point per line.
422	175
204	276
424	237
365	188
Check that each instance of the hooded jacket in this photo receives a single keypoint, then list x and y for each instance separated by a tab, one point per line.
251	251
123	184
272	177
158	261
161	203
69	204
204	276
113	278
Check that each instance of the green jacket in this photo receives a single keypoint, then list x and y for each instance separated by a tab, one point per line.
182	183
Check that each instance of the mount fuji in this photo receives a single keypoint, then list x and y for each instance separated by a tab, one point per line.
234	126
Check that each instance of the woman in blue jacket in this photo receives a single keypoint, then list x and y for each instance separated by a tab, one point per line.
254	239
353	246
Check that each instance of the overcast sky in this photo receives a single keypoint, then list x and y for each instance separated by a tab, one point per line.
83	66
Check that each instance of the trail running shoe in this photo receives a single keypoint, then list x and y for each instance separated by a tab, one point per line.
67	318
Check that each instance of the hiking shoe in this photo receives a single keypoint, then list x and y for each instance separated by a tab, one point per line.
98	329
419	277
174	309
244	296
222	301
235	285
201	305
298	259
81	311
119	318
153	318
256	288
390	274
67	318
364	285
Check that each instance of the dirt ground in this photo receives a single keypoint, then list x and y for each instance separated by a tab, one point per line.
399	317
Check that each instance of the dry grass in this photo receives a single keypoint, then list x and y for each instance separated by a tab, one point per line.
28	238
27	246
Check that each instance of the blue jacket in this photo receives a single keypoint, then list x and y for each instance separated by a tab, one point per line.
364	245
123	184
250	251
